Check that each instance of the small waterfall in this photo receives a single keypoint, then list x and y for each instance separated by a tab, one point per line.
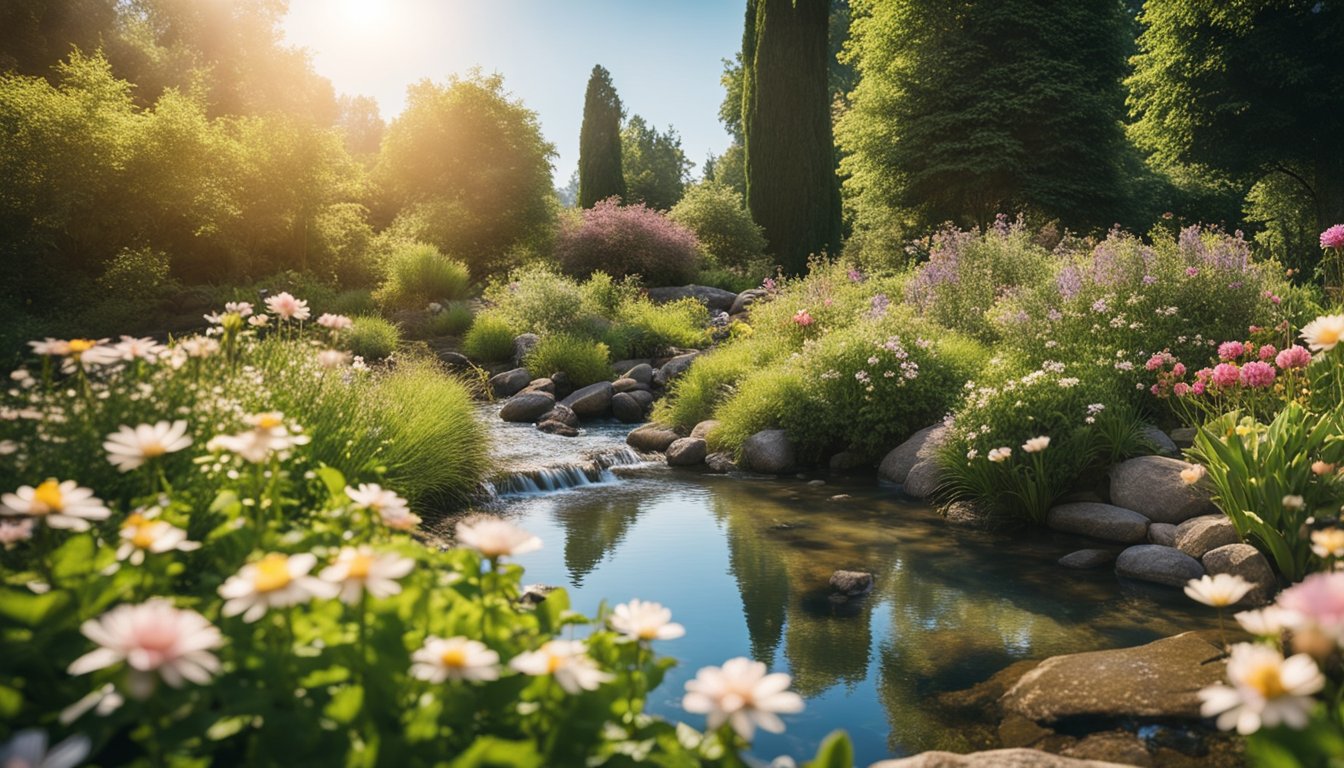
595	470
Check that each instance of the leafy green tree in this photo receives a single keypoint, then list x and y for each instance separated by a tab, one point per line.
360	125
726	169
600	174
656	169
972	109
36	34
719	218
1248	88
786	126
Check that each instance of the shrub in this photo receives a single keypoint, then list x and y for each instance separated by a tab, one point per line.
373	338
537	300
720	221
418	274
833	295
770	398
355	301
490	339
630	240
584	362
712	378
341	241
453	320
645	329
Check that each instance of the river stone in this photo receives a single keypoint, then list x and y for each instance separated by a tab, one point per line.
769	451
590	401
540	385
1085	559
848	461
746	299
523	346
1161	565
626	409
1114	746
1100	521
703	429
1160	441
716	299
1157	680
643	397
686	452
896	465
652	438
721	462
994	758
640	372
509	383
562	414
966	514
625	384
1198	535
454	361
553	427
1245	561
1152	486
923	479
563	387
1184	436
674	368
527	406
1162	533
851	583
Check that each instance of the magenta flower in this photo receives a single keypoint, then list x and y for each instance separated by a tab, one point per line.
1293	357
1257	375
1267	352
1181	389
1226	375
1231	350
1333	237
1191	271
1178	370
855	276
801	317
1197	388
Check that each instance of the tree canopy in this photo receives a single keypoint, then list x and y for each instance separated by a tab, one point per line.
600	141
656	169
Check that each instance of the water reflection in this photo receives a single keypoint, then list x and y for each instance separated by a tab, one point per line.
592	531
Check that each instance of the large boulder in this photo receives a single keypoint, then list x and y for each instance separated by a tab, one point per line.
848	461
769	451
674	368
591	401
1157	680
703	429
745	299
523	346
1245	561
1160	441
994	758
1152	486
652	438
626	408
923	479
1100	521
527	406
640	372
1160	565
898	462
1198	535
562	414
643	397
509	383
716	299
686	452
1086	559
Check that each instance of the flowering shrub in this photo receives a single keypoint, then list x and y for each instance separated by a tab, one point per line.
831	297
625	241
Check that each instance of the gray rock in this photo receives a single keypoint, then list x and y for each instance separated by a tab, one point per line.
966	514
1161	565
1100	521
527	406
745	299
563	387
509	383
591	401
540	385
454	361
674	368
716	299
553	427
533	594
1159	679
686	452
703	429
625	384
640	372
643	397
1086	559
851	583
848	461
769	451
1152	486
523	345
923	479
652	438
1245	561
896	465
562	414
1163	534
1198	535
994	758
1161	443
1112	746
626	409
721	462
1184	436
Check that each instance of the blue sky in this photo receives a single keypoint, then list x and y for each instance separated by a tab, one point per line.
664	56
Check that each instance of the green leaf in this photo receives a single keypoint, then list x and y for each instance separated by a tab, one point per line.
11	700
32	610
333	480
73	558
835	752
491	752
345	706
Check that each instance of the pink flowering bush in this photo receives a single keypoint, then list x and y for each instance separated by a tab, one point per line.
627	241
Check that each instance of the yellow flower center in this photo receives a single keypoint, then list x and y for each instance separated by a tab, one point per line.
48	495
1326	335
268	421
272	573
144	536
360	565
134	520
152	449
79	346
648	633
554	662
454	658
1243	430
1265	679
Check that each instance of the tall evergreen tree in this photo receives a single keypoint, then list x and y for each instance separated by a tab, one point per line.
600	173
786	126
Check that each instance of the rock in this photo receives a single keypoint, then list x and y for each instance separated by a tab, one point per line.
966	514
981	700
553	427
720	462
640	372
523	345
1017	731
851	583
1085	559
1184	436
535	593
769	451
626	408
527	406
1198	535
541	385
1158	680
896	465
562	414
591	401
643	397
994	758
1112	746
703	429
626	385
674	368
816	483
509	383
1161	443
1162	533
1100	521
1245	561
563	387
923	479
716	299
1152	486
454	361
652	438
686	452
746	299
847	461
1161	565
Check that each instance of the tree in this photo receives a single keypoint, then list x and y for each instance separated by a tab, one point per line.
977	108
786	127
600	174
1249	88
360	124
656	169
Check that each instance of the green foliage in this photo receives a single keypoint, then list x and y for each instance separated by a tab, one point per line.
720	221
490	338
600	174
418	274
373	338
584	362
453	320
355	301
768	399
713	378
645	329
1284	212
537	300
655	168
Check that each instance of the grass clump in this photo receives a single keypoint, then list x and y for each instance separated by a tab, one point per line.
373	338
418	274
711	380
772	398
584	362
490	339
645	329
453	320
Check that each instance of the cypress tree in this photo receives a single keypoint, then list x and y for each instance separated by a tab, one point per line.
600	173
786	124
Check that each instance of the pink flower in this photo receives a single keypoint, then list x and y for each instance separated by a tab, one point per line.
801	317
1197	388
1181	389
1333	237
286	307
1257	375
1226	375
1320	600
1231	350
1293	357
1191	271
1267	352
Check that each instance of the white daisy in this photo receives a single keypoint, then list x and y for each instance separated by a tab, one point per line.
743	695
274	581
59	505
566	661
454	658
1219	590
154	638
495	538
645	621
360	569
1323	333
28	749
142	533
1266	690
130	447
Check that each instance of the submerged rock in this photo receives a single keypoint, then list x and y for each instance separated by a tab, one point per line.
851	583
721	462
898	462
769	451
686	452
527	406
553	427
1085	559
1160	565
562	414
1100	521
1152	486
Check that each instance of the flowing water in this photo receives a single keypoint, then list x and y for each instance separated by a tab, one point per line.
743	563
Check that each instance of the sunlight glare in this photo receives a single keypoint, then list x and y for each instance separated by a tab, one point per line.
366	12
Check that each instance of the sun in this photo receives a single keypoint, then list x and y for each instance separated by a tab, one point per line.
366	12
